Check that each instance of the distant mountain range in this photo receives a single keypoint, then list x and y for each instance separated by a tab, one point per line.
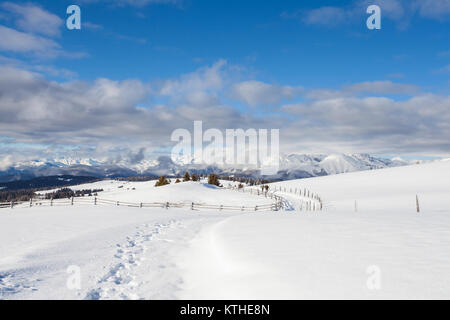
292	166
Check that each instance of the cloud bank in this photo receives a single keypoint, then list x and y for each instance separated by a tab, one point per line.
121	118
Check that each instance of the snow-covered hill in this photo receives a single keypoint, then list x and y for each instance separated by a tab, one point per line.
183	192
292	166
379	249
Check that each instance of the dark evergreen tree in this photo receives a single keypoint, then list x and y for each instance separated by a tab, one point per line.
162	181
213	179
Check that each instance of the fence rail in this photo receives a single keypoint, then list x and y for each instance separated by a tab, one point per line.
278	205
309	201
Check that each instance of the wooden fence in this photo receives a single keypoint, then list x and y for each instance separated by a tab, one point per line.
275	206
309	201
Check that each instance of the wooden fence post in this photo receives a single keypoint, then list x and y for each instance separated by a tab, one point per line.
31	202
417	204
71	201
51	202
95	201
192	206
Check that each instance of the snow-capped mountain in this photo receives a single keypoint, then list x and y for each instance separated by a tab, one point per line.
292	166
295	166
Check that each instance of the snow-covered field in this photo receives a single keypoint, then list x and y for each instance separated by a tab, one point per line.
369	242
183	192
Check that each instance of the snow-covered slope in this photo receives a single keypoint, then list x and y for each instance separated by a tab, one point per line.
383	249
119	252
385	189
183	192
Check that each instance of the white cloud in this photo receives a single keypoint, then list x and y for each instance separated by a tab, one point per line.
32	32
6	162
114	117
202	99
105	112
400	11
391	9
256	93
433	9
326	16
40	68
363	88
34	19
16	41
202	80
383	87
29	103
420	124
135	3
92	26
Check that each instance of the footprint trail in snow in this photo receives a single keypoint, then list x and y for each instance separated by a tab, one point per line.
120	282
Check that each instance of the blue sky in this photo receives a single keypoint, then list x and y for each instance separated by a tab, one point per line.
310	68
267	37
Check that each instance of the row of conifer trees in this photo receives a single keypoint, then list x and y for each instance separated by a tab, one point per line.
212	179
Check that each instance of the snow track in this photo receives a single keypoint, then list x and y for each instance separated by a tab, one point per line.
120	282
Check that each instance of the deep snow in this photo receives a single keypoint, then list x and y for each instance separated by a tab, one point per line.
122	253
154	253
